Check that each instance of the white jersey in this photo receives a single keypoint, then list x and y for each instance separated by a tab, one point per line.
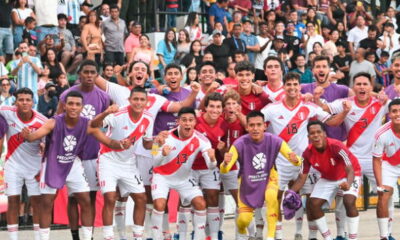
387	145
361	124
274	96
23	155
177	165
155	103
121	126
291	124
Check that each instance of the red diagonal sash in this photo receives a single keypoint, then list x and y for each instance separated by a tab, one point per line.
134	136
294	124
393	160
174	165
16	140
362	124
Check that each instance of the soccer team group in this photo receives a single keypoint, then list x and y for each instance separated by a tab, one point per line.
262	143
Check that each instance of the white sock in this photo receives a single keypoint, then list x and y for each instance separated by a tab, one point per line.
340	216
352	223
36	231
183	222
12	231
242	237
383	224
137	231
221	205
278	231
147	220
391	215
44	233
213	222
87	233
119	215
251	229
259	221
108	232
165	225
199	222
323	228
156	222
299	220
312	230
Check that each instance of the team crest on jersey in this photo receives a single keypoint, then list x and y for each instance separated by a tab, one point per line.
69	143
333	162
301	116
252	106
88	111
259	161
235	133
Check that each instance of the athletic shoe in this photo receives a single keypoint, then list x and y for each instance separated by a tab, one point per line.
340	238
176	236
220	235
298	237
391	238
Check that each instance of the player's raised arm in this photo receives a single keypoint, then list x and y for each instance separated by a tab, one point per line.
230	159
188	102
337	119
111	143
97	122
43	131
289	154
209	157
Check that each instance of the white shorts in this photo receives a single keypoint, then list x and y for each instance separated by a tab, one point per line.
76	181
14	179
312	179
230	180
390	174
207	179
287	174
367	170
113	173
90	168
145	166
188	189
326	189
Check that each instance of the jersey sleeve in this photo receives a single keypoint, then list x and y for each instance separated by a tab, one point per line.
108	121
336	106
148	136
285	151
235	156
344	155
306	162
266	113
378	147
321	114
117	93
206	145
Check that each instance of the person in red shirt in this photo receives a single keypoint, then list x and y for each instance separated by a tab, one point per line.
340	171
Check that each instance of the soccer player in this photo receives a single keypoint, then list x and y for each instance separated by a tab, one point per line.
66	138
386	166
273	69
119	168
22	159
256	154
340	171
95	101
288	119
172	170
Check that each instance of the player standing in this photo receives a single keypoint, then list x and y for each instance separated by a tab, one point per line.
340	171
22	160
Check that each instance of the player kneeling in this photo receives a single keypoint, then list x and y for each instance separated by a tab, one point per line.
340	171
172	170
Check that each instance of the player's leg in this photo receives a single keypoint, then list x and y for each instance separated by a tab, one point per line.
149	210
230	185
46	211
159	191
199	219
145	167
340	217
73	217
271	200
349	202
139	213
244	219
33	190
307	189
12	216
211	185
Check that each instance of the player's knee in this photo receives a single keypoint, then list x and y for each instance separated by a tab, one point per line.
349	201
140	199
110	199
243	221
199	203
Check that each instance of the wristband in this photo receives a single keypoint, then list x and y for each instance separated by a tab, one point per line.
381	189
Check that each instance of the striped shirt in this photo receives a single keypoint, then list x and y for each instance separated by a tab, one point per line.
27	77
74	10
7	101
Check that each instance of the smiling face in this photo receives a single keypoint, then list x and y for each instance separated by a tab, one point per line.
138	74
292	88
245	79
173	78
256	127
214	109
186	123
207	75
144	41
73	107
138	101
394	114
396	68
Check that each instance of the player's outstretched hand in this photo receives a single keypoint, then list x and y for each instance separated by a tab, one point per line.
211	154
382	97
112	109
293	158
346	106
345	186
256	89
195	86
318	92
228	158
166	150
25	132
307	97
160	138
125	143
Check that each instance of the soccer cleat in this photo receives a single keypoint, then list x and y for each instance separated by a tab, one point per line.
220	235
340	238
298	237
391	238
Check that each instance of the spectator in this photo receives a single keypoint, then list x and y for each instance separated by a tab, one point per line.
183	45
48	101
217	13
371	42
133	40
219	50
172	8
43	80
166	50
236	19
277	44
6	36
230	80
370	57
52	63
336	12
291	40
29	35
342	62
389	38
73	12
382	70
191	76
91	38
330	46
312	18
144	53
258	11
193	27
317	48
50	42
356	34
208	57
18	16
359	64
252	45
62	84
235	43
194	57
108	73
3	70
6	99
218	26
105	12
244	6
310	37
265	41
46	17
114	30
299	26
306	75
356	13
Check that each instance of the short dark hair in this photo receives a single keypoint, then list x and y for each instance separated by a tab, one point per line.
114	6
274	58
213	97
373	28
135	62
254	114
88	62
29	20
74	94
362	74
186	110
173	66
208	63
300	55
138	89
384	54
320	58
395	101
291	76
23	91
62	16
316	122
244	66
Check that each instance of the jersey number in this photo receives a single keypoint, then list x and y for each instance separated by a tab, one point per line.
313	178
182	158
291	128
364	122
